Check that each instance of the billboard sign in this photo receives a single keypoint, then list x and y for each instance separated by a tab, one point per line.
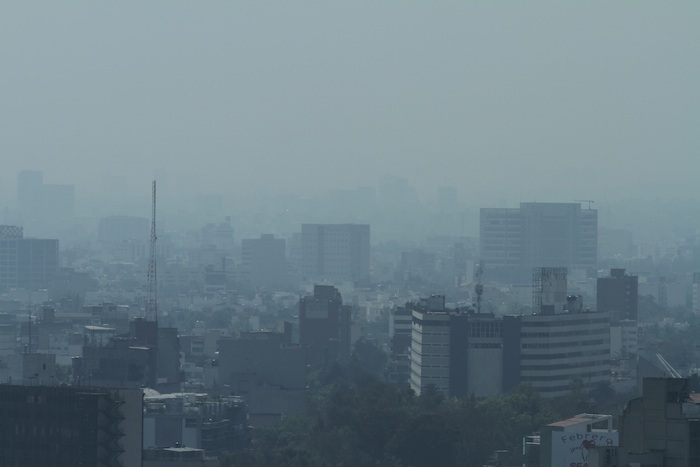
570	448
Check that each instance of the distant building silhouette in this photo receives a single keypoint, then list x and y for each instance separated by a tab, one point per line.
43	206
263	261
335	252
514	241
26	263
218	236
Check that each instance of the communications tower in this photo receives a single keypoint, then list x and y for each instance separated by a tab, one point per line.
152	297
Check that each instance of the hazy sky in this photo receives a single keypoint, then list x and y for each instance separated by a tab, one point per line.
587	98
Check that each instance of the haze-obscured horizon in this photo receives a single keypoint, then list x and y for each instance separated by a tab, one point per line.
511	102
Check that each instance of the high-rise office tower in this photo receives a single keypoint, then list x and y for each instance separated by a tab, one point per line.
335	252
514	241
618	294
324	327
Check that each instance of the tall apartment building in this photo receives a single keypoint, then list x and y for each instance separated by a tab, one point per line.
263	261
324	327
335	252
514	241
70	426
26	263
618	294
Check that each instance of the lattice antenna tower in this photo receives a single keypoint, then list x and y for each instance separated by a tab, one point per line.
152	298
478	286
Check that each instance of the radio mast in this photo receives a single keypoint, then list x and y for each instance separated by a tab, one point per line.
152	298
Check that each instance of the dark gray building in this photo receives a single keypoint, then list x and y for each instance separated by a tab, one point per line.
324	327
618	294
70	426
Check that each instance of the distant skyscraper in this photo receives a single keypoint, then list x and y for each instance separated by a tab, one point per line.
263	261
618	294
26	263
335	252
514	241
324	327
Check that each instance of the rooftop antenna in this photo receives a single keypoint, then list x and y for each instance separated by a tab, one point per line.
152	298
